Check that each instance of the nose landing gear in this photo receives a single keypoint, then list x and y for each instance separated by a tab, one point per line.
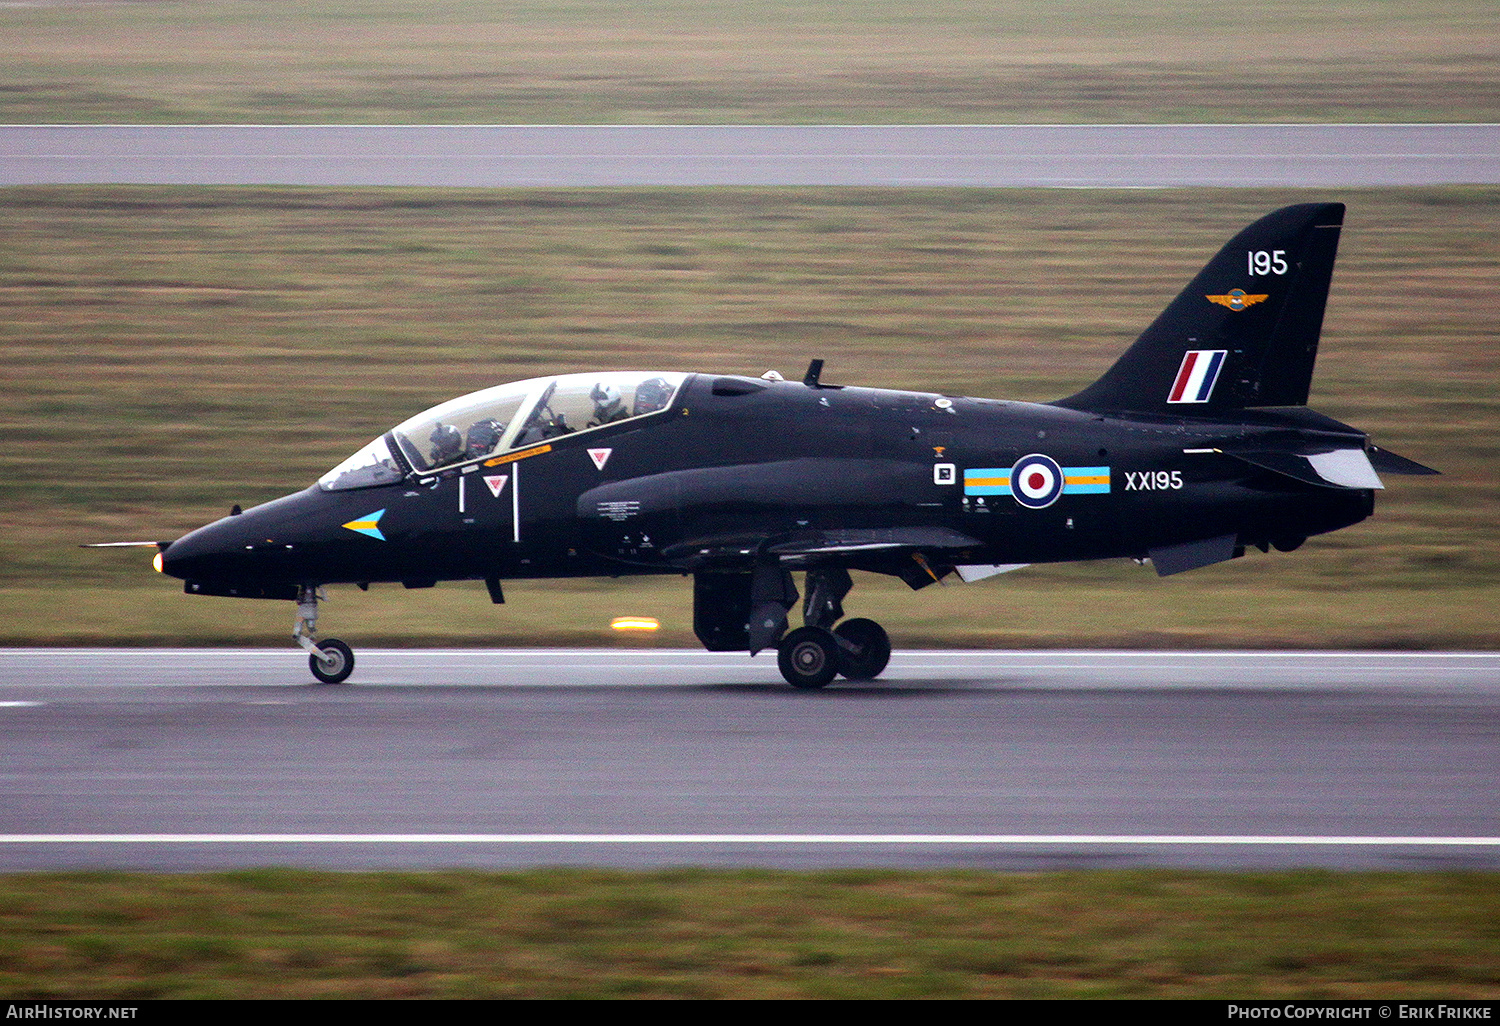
330	660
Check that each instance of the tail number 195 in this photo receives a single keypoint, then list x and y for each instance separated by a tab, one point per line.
1264	262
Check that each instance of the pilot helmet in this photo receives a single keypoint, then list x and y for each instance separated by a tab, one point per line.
483	436
651	395
447	443
606	398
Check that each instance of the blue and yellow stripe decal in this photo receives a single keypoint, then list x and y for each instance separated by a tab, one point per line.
1076	481
368	525
991	481
1085	480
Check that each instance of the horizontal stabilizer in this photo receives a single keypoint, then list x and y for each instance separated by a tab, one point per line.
1388	462
1341	468
1345	468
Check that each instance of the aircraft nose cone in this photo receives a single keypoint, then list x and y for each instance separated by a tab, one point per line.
207	552
290	540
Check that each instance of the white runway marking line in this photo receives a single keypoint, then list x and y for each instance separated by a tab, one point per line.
773	839
722	155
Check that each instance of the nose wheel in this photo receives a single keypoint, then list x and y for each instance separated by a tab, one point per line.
330	660
332	663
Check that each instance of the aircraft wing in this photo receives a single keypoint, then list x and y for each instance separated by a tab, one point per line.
745	494
918	555
772	487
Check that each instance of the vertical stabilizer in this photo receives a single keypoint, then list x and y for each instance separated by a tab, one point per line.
1243	333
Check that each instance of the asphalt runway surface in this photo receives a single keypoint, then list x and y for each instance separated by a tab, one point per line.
1080	156
201	759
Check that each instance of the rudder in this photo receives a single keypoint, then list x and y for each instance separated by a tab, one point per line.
1243	333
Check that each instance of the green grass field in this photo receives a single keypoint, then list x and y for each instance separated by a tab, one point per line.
750	934
694	61
171	351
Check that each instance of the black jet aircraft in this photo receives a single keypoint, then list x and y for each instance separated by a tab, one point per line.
1195	446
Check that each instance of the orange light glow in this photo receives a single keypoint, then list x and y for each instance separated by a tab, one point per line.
635	623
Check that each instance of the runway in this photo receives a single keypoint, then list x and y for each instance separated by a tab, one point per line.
193	759
1068	156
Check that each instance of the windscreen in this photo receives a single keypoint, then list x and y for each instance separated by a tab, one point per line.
372	465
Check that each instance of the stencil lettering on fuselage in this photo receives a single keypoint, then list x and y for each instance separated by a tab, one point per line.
1153	480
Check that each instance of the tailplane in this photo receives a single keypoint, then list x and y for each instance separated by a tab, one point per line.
1243	333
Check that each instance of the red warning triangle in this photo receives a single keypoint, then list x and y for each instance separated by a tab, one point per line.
497	483
600	457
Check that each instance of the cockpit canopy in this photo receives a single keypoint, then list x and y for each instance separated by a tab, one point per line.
522	413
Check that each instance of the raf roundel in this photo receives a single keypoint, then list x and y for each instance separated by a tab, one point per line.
1036	481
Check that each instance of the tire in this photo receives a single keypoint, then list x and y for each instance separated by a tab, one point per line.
342	667
808	658
864	649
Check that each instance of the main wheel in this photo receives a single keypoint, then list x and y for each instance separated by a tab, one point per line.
808	657
864	649
336	664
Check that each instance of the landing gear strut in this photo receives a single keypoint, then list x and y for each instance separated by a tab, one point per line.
330	660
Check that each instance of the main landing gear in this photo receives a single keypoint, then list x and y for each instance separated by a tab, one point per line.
330	660
812	655
735	611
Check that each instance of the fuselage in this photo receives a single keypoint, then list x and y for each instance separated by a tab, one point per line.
735	467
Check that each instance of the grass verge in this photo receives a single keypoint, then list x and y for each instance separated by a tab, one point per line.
559	933
766	61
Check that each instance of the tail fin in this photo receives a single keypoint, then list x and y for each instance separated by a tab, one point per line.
1243	333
